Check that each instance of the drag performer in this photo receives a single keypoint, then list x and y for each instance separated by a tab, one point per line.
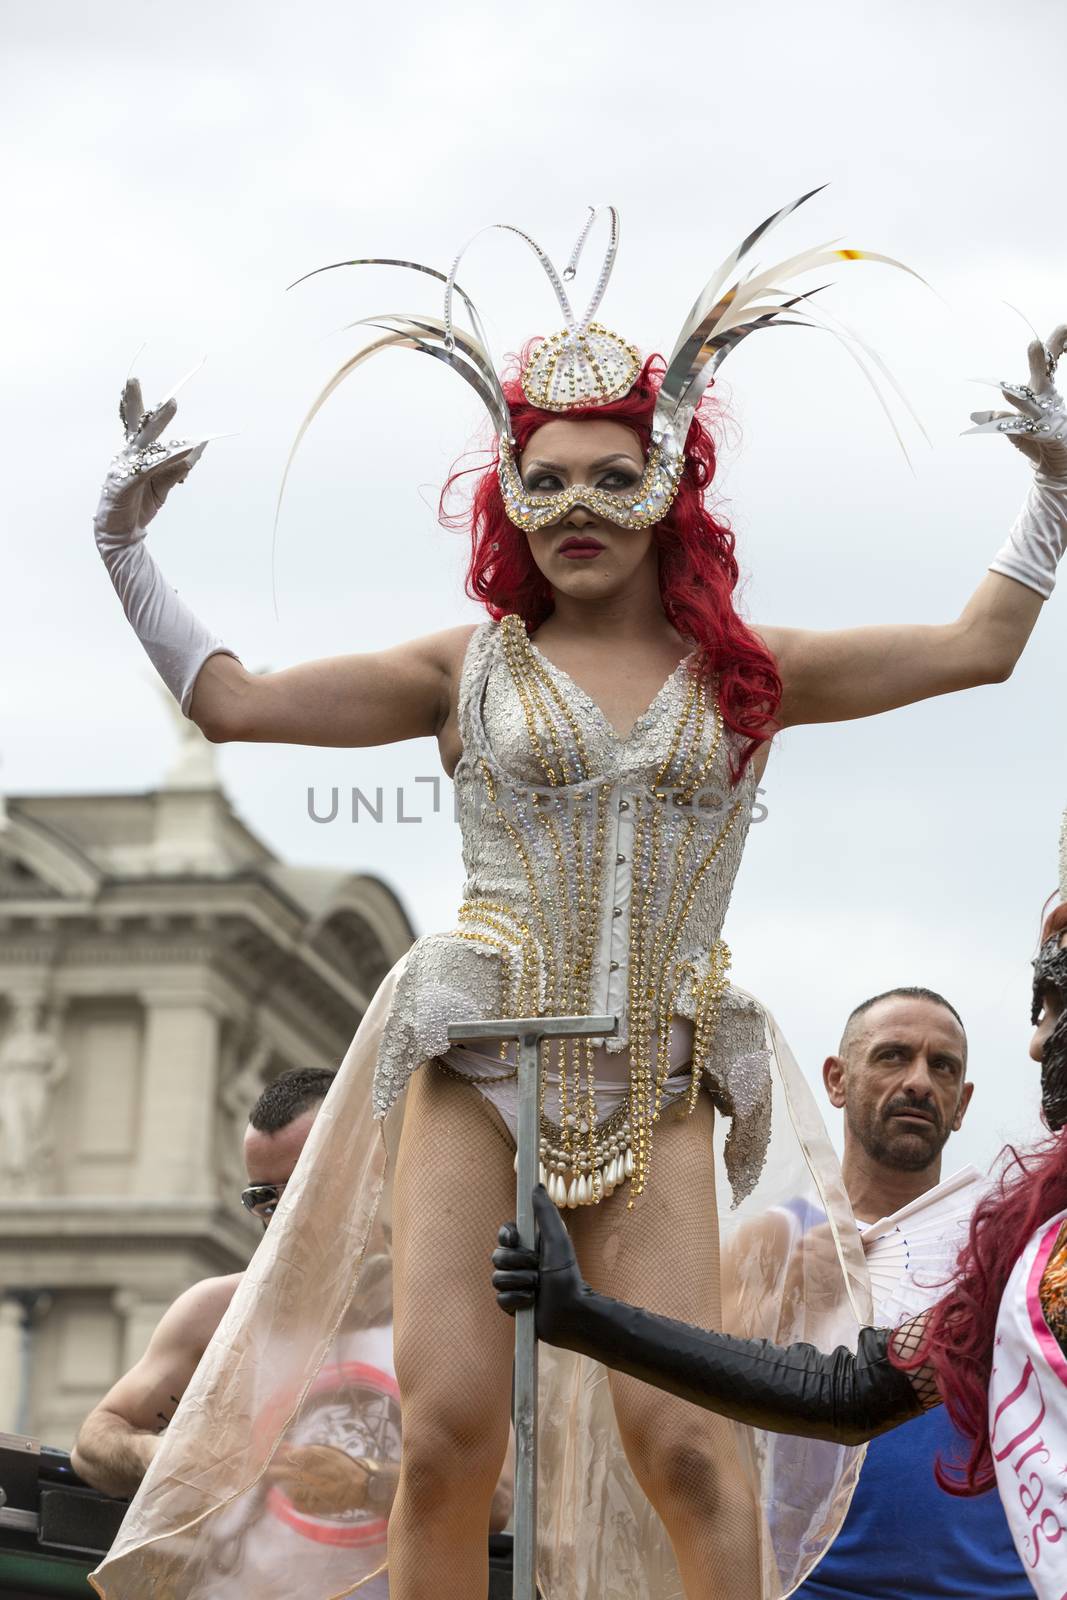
993	1349
606	731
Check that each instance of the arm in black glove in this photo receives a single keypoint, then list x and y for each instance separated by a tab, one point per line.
844	1397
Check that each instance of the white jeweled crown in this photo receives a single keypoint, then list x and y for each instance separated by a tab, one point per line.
582	368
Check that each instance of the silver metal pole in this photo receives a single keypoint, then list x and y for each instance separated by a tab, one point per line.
528	1032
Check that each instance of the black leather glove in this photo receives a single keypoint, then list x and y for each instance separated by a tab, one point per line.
844	1397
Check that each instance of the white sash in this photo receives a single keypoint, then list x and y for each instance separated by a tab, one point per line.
1028	1421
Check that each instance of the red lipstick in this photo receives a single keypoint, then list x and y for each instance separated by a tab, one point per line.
580	548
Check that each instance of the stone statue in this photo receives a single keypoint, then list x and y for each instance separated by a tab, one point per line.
195	766
31	1068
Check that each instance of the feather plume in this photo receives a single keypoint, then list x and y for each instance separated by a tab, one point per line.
403	332
715	350
473	349
411	266
713	289
339	376
722	316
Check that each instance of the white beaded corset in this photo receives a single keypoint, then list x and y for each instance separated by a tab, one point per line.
599	870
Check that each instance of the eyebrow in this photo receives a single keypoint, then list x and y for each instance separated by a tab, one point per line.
902	1044
594	466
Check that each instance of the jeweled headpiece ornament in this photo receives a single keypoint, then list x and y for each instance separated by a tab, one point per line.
586	365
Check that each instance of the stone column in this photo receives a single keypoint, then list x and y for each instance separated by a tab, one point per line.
12	1376
140	1315
179	1087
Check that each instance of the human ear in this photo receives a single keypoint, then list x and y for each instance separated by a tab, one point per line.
961	1109
833	1077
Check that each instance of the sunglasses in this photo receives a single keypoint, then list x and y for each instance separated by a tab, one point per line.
262	1199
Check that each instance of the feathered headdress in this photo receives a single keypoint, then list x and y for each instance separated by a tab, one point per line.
586	365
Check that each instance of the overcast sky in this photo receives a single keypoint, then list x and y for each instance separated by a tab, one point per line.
169	169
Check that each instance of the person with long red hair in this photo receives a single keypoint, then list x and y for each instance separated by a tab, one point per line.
606	728
698	570
993	1349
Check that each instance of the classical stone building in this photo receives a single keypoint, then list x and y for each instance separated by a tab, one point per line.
158	965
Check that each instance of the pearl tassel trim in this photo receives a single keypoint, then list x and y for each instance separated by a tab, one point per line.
569	1189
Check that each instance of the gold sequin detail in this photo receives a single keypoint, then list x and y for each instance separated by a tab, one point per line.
578	877
558	831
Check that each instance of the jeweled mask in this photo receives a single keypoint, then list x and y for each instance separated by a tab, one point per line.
638	507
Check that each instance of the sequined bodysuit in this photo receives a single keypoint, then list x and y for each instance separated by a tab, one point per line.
599	871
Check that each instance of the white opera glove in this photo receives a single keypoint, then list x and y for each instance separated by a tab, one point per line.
137	483
1038	428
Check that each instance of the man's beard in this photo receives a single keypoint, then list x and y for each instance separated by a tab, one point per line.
907	1149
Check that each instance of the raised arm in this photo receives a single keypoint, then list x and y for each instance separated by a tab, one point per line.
858	672
120	1436
379	698
844	1396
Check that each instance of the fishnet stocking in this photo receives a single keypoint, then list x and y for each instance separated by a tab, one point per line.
906	1341
664	1255
453	1349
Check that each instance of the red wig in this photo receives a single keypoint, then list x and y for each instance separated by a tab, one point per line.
960	1330
697	569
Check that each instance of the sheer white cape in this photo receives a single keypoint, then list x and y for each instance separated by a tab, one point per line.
206	1523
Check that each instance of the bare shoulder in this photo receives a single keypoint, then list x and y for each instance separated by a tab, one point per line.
445	647
776	639
440	654
197	1312
147	1393
448	647
796	655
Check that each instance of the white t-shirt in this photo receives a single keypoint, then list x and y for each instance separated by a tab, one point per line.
354	1405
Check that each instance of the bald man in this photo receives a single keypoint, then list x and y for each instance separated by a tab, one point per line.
900	1077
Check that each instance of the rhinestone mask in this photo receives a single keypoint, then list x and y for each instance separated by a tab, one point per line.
638	507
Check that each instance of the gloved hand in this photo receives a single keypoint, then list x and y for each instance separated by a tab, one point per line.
1038	424
1038	427
145	471
845	1396
137	483
547	1278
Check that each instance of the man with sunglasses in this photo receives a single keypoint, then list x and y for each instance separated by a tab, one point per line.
317	1481
120	1436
